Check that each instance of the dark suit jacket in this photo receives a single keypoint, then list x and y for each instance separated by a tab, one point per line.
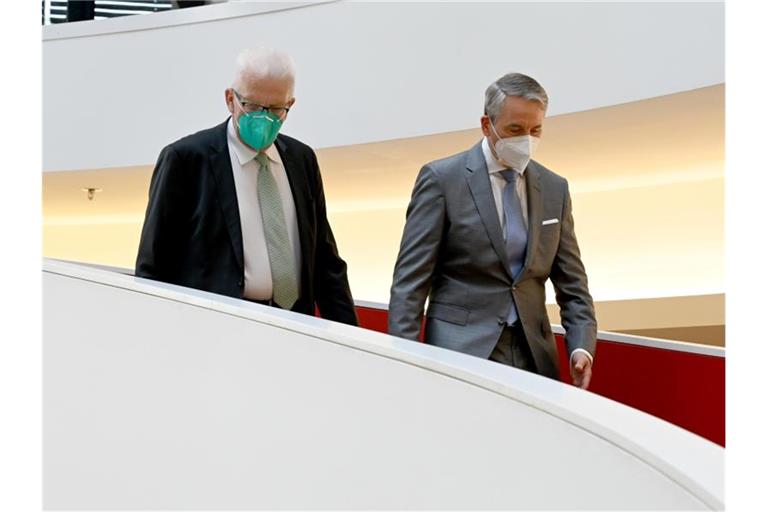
192	234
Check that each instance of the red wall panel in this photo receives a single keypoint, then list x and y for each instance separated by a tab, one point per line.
684	388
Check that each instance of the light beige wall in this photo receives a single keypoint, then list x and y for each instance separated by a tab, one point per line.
112	244
696	318
636	243
660	241
705	334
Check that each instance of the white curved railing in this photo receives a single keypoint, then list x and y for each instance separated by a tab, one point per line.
629	339
158	396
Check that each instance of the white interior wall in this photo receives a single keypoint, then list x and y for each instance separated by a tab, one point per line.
366	71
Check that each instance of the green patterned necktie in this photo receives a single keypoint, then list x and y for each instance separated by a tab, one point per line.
285	287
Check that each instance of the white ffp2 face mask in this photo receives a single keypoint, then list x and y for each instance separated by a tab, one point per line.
516	152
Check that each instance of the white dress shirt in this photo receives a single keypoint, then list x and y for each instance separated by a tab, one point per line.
245	169
497	185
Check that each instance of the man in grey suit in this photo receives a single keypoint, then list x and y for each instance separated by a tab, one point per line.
484	231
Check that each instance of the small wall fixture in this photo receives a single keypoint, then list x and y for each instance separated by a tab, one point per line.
91	192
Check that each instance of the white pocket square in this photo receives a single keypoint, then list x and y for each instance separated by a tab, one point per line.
550	221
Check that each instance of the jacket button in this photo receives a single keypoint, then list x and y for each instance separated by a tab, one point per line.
501	321
240	283
514	287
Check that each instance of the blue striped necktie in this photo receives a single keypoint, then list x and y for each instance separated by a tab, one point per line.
515	231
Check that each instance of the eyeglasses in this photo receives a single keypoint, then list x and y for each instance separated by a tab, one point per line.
250	107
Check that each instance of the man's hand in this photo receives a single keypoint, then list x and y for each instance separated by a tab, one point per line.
581	370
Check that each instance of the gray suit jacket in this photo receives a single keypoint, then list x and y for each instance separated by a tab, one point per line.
453	250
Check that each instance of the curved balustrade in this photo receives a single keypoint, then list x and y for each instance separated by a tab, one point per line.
681	382
157	396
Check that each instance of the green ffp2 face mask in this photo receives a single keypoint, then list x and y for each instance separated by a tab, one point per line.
259	129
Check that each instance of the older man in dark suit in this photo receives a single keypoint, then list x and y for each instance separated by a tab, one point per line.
239	209
485	229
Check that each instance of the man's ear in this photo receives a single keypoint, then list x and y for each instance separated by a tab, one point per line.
229	100
485	121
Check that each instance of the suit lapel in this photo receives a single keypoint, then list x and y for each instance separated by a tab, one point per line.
221	166
480	186
535	213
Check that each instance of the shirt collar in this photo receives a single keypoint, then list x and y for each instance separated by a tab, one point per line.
246	153
494	165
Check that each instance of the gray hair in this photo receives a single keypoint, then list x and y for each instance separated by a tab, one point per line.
263	62
513	84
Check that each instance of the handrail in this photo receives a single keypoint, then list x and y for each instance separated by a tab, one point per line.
689	460
628	339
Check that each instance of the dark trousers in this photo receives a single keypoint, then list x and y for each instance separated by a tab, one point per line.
512	349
